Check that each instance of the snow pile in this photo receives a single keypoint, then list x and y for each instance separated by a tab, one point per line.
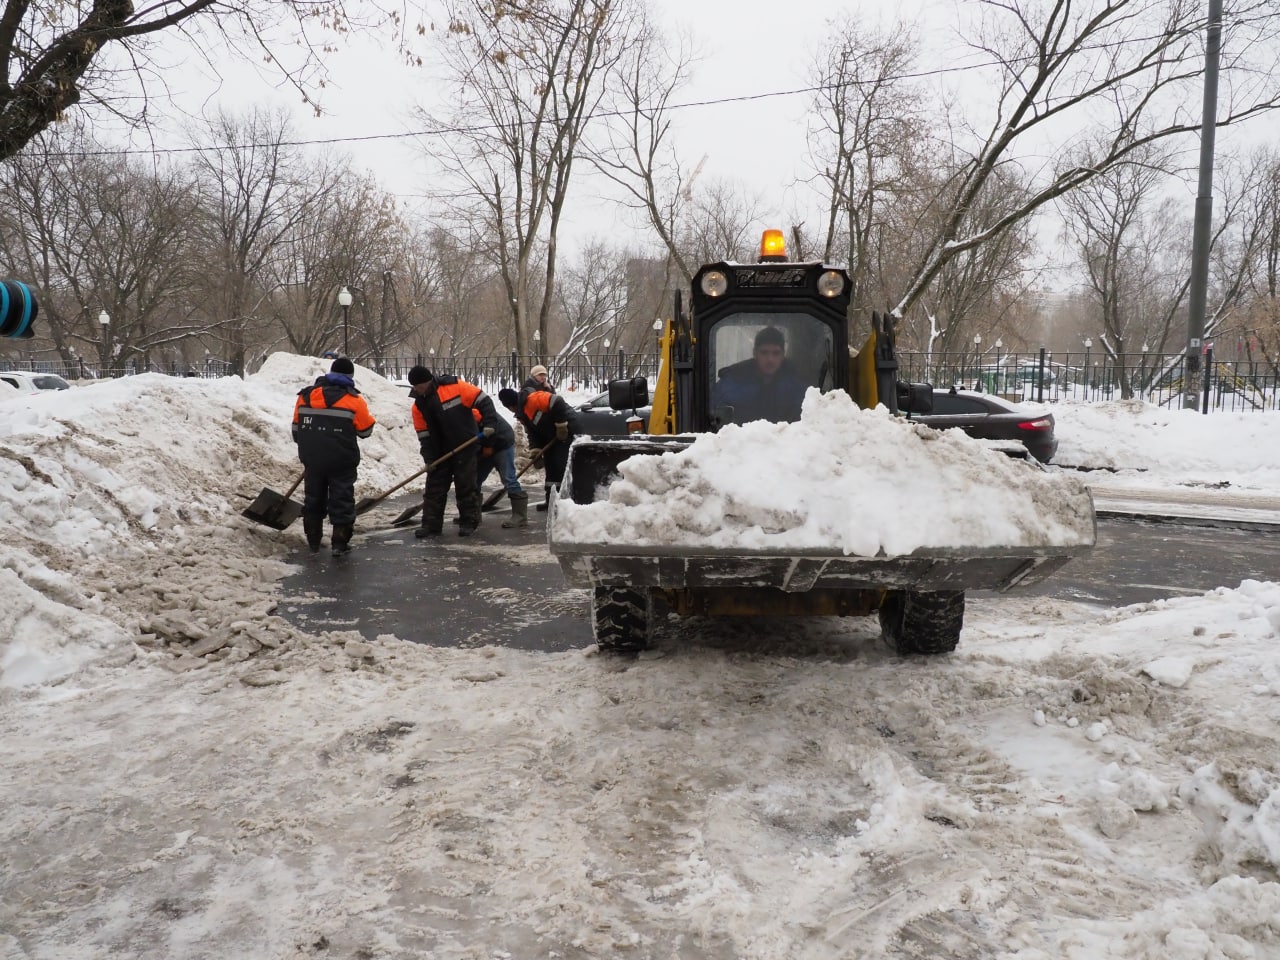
1240	811
105	487
1184	445
860	481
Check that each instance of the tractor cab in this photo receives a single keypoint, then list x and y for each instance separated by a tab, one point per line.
755	339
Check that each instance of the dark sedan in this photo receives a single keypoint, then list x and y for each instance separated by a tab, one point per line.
597	419
990	417
982	415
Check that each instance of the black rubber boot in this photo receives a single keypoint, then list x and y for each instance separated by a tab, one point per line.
547	490
425	533
519	511
313	527
342	539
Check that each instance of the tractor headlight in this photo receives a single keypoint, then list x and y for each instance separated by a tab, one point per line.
831	284
714	283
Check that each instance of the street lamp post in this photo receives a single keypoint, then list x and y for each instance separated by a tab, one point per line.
537	345
999	344
977	361
344	298
1088	345
104	318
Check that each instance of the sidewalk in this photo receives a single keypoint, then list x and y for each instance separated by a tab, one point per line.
1204	504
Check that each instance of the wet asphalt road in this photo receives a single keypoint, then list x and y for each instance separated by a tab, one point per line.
502	586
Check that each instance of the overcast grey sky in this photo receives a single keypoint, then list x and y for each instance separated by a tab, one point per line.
748	48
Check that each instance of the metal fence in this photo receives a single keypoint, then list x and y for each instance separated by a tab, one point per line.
81	369
579	372
1228	385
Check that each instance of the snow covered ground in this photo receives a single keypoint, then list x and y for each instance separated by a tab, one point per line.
188	775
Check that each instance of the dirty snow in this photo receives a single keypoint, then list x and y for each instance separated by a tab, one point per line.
861	482
187	775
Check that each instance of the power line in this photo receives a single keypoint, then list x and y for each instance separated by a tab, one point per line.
689	105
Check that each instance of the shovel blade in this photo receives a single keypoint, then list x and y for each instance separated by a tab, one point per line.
407	516
367	504
272	510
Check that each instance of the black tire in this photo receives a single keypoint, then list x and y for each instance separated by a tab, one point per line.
922	623
620	619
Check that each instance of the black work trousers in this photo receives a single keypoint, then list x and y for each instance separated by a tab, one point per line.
459	470
556	460
331	491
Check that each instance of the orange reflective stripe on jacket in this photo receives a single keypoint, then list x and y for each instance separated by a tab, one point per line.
348	406
452	394
536	405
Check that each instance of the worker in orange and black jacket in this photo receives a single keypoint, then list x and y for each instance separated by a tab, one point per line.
444	415
329	419
546	417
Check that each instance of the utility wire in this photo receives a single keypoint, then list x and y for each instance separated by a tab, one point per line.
689	105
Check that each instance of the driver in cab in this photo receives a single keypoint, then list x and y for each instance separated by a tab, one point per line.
765	386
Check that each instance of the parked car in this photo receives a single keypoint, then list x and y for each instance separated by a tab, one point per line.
25	381
981	415
596	418
989	417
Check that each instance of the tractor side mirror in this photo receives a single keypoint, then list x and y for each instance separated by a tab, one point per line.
628	394
915	397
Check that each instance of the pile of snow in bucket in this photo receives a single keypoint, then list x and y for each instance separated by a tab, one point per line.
861	482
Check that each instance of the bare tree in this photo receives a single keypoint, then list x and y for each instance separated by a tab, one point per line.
1129	70
593	299
105	236
1243	241
1258	242
527	82
635	149
466	305
721	220
38	230
868	124
1121	231
56	55
256	194
347	234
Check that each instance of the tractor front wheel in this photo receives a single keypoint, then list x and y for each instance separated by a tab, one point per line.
620	619
922	623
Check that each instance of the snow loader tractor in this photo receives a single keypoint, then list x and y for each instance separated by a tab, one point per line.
734	308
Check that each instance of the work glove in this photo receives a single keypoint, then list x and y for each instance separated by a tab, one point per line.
562	430
488	433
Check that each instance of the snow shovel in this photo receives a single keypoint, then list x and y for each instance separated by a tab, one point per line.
368	503
407	515
491	501
273	510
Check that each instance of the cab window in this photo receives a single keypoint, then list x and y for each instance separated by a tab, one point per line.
761	364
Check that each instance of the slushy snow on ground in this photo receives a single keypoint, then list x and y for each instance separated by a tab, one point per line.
189	775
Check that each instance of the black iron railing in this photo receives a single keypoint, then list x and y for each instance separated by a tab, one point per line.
1043	376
